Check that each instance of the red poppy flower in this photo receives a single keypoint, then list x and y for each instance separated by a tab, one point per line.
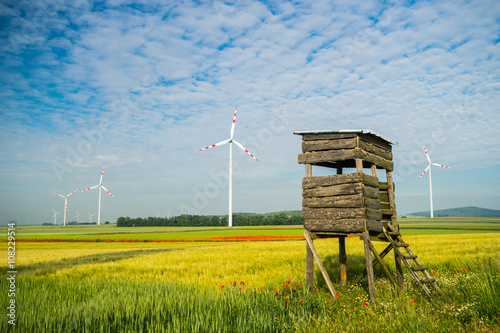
337	295
365	304
412	301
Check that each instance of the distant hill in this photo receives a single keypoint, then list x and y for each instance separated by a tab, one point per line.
462	211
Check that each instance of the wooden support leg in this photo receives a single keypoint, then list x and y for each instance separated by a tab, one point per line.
369	268
309	267
399	271
342	261
309	241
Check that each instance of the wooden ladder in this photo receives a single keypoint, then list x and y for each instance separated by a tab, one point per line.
394	237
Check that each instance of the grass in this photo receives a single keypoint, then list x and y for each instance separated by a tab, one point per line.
176	287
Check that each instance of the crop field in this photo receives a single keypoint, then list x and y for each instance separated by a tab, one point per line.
248	279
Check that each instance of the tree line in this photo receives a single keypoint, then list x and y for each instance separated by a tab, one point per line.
186	220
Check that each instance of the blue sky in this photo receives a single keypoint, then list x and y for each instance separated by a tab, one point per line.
141	86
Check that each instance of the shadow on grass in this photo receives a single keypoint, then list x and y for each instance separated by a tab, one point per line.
53	266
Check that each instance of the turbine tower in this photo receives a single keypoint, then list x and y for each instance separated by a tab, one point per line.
65	203
77	216
230	141
100	186
430	178
55	216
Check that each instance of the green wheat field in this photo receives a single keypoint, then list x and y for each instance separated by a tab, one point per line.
245	279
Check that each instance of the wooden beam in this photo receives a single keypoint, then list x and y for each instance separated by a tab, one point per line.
330	180
369	268
316	145
341	213
348	226
327	156
345	201
376	141
328	136
308	170
372	158
309	267
374	170
309	241
342	261
374	149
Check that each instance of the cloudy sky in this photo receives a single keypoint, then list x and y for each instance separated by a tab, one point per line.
142	85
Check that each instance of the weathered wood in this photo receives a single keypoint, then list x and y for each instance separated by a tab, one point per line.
382	264
374	263
328	136
374	170
377	160
392	201
308	171
383	186
342	261
359	165
371	148
369	268
384	205
316	145
309	267
341	213
343	225
345	201
376	141
309	241
384	197
327	155
322	181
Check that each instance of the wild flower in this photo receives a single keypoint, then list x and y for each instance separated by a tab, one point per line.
412	301
336	294
365	303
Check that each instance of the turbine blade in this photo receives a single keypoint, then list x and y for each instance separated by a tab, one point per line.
245	150
427	155
424	171
90	188
58	194
102	174
440	165
215	145
105	189
71	193
234	122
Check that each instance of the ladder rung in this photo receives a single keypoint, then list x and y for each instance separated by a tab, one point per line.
394	233
413	256
431	280
402	244
419	268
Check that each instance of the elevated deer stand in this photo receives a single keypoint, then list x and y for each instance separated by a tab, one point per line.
353	203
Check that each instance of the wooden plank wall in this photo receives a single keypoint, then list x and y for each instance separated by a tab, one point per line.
341	203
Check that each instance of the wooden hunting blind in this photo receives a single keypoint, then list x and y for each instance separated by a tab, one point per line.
352	202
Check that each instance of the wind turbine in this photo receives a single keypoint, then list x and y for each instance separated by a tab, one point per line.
230	141
100	186
430	178
157	214
167	213
77	216
90	217
65	202
55	216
